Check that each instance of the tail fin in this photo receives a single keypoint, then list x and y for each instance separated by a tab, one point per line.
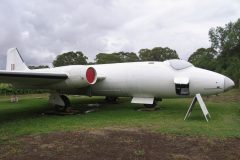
15	61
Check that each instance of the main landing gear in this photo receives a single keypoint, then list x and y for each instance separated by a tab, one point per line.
61	103
66	104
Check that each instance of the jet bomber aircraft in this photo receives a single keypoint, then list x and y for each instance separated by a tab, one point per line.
144	82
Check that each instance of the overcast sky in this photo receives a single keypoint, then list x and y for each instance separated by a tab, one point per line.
42	29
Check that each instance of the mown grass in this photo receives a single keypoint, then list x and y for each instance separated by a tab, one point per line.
25	117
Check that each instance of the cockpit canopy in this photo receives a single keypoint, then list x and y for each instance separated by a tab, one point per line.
178	64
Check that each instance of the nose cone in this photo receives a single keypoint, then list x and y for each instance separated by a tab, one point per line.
228	83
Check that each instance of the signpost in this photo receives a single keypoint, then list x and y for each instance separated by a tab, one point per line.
203	107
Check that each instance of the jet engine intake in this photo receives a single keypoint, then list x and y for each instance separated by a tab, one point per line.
82	77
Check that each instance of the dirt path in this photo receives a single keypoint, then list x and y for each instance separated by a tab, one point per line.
112	144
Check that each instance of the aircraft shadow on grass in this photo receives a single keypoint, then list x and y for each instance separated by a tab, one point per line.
92	105
25	113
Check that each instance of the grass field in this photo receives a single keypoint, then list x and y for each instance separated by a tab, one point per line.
25	117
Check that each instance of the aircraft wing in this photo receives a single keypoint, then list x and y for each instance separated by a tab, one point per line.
31	78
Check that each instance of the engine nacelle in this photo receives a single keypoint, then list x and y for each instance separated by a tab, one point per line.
82	76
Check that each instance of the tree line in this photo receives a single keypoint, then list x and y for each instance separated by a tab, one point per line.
6	89
155	54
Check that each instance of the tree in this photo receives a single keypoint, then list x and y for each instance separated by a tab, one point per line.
103	58
70	58
204	58
157	54
119	57
145	54
127	56
226	41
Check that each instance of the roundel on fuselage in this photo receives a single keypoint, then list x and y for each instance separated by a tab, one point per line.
178	64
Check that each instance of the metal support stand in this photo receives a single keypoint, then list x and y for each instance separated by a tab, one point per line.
202	106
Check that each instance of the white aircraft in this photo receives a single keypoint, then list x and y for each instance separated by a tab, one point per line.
145	82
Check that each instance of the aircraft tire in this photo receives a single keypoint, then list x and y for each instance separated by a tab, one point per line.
151	105
66	104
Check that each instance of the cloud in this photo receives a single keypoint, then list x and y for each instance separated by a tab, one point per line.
43	29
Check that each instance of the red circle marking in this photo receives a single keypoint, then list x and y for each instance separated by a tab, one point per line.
90	75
